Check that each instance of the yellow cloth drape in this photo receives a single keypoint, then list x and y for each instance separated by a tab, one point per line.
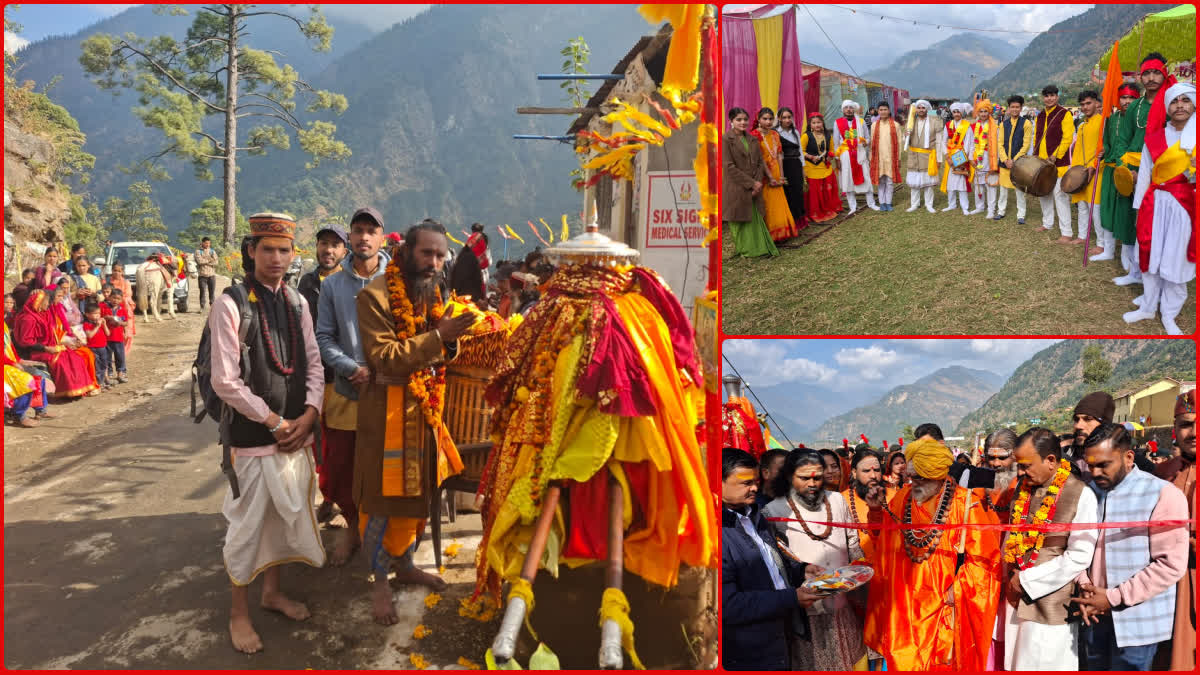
1087	142
768	38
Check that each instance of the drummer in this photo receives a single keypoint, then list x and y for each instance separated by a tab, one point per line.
1054	130
835	640
1087	143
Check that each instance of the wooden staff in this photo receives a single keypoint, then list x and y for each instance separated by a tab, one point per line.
611	655
505	644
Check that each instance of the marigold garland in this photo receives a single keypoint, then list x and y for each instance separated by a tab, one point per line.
1020	543
428	385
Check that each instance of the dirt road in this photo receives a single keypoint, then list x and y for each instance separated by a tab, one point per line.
112	553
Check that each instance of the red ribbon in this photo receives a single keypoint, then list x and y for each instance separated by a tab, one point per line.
1185	193
1004	527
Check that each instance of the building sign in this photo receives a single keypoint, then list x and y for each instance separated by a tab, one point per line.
704	320
673	211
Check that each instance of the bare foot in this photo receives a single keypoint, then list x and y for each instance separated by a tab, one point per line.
415	576
278	602
347	545
245	640
1064	240
382	609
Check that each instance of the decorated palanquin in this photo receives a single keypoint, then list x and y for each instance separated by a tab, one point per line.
739	424
596	459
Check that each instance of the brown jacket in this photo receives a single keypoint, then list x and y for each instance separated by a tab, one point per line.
740	171
391	361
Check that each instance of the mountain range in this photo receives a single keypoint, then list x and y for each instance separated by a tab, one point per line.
947	69
1050	383
1066	54
430	121
942	397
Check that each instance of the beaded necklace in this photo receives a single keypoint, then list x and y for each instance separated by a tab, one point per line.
804	525
293	330
918	548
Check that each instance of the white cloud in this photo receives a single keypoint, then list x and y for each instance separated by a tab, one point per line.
765	363
13	42
870	361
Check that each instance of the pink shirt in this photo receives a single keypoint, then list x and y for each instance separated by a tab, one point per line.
227	374
1168	554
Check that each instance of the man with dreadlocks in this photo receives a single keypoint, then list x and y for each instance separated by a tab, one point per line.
932	603
407	337
835	641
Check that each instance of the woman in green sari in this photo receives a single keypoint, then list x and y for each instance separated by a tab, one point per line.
741	189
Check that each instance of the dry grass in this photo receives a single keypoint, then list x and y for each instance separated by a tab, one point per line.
903	273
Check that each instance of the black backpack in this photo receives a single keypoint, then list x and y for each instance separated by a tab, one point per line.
216	408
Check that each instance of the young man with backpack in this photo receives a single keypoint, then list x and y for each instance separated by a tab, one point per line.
266	371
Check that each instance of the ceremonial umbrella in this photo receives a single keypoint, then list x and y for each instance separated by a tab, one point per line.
1132	426
1172	33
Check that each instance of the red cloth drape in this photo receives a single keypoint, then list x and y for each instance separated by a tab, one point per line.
791	84
739	65
812	92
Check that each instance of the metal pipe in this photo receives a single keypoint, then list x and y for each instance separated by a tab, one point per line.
534	137
581	76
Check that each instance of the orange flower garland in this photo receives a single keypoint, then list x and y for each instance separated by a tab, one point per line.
427	385
1020	543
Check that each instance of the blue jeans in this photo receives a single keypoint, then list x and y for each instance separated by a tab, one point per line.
20	405
116	352
102	357
1100	650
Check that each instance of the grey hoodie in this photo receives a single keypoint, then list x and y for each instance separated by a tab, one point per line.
337	323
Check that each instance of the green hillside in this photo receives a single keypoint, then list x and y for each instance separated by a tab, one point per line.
1048	385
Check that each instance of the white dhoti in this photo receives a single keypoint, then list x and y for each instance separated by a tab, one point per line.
887	188
1060	202
984	194
273	522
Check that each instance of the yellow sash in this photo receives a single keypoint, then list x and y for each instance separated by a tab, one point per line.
933	166
1172	162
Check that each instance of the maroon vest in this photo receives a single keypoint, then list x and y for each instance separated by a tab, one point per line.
1052	129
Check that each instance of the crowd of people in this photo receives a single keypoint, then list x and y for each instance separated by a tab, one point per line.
67	331
780	176
966	594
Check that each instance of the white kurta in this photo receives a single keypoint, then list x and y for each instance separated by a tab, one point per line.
273	522
1035	646
980	176
926	130
846	175
1172	225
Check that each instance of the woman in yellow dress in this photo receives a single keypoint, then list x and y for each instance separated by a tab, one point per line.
778	214
821	198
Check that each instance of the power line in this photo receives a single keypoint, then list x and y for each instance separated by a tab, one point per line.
914	22
760	403
839	51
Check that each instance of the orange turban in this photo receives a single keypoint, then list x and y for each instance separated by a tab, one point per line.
930	458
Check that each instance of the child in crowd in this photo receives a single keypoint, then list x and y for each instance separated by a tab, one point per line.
96	330
120	283
117	320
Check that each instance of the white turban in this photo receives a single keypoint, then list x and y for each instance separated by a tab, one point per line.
849	102
964	108
1180	89
925	103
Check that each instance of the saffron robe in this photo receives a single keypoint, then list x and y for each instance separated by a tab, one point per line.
907	620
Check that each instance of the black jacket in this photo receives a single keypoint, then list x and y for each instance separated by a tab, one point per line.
757	620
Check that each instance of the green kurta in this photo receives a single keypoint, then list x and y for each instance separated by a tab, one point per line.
1116	210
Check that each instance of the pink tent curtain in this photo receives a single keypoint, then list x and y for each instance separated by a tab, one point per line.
739	65
791	87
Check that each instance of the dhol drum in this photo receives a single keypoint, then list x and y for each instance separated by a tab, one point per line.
1124	180
1034	175
1075	179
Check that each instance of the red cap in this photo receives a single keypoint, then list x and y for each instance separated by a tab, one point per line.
395	237
885	445
845	442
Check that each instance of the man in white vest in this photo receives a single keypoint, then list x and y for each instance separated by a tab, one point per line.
851	143
1128	594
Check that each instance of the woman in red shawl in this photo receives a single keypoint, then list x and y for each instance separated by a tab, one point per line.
42	334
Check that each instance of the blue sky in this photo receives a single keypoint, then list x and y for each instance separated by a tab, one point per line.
869	367
39	21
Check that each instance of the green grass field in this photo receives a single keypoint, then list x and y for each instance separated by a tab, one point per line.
900	273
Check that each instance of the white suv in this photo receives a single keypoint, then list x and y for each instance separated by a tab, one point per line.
132	254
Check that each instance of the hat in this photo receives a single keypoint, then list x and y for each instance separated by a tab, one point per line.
395	238
984	104
1098	404
273	225
849	102
930	458
336	229
923	103
370	212
1185	404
